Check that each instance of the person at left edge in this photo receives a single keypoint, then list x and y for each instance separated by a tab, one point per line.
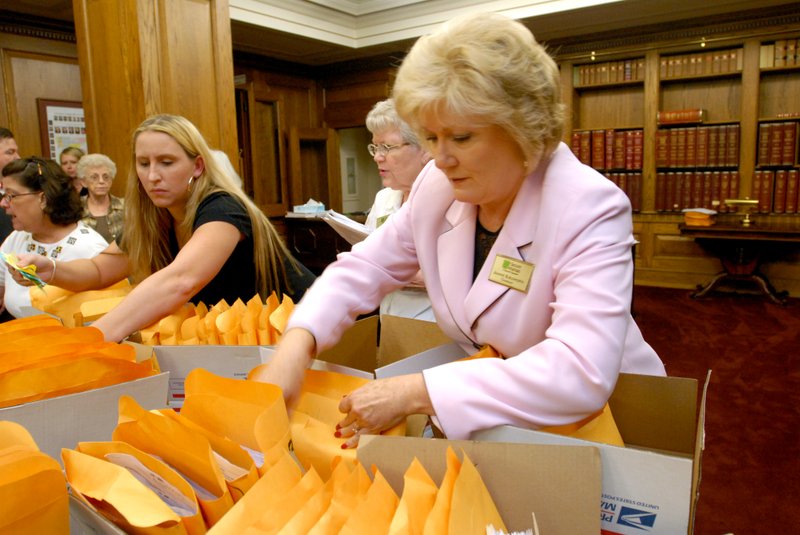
191	234
8	153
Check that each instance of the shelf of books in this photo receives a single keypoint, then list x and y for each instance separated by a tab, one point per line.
617	153
611	93
775	179
710	63
696	166
687	125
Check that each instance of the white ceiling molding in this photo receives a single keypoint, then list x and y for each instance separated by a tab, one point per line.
357	24
364	7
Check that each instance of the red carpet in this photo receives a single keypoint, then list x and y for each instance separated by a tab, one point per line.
751	464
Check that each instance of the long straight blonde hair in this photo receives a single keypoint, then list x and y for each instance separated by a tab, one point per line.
147	227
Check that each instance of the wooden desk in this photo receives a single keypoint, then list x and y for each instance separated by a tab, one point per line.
742	251
313	242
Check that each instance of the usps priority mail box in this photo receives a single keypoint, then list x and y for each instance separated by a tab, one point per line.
651	485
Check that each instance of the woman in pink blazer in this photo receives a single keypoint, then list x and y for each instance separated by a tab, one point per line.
522	247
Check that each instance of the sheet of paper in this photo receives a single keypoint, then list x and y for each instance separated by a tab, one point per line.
180	504
350	230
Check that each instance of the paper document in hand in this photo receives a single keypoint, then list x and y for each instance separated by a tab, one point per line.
350	230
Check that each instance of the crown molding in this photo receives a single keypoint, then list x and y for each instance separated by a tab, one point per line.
732	25
39	27
354	24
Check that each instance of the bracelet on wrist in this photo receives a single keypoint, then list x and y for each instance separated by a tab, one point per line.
53	274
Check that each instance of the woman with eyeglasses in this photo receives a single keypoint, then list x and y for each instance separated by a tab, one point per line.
101	211
46	212
191	235
400	158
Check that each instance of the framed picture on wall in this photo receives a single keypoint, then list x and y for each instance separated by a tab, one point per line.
61	125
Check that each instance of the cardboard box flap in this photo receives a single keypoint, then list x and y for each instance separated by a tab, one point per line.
560	485
143	352
85	520
357	348
227	361
656	412
700	445
404	337
63	421
422	361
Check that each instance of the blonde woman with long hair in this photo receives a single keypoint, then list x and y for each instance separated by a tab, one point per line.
191	234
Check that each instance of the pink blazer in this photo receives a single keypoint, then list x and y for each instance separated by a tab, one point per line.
565	340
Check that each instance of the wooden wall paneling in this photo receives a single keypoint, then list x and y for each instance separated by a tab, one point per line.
15	44
32	75
721	97
297	97
114	98
748	136
348	99
334	177
196	62
651	103
774	87
267	182
785	273
167	57
611	107
665	258
569	99
314	167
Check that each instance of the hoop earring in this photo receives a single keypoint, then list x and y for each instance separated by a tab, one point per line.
189	185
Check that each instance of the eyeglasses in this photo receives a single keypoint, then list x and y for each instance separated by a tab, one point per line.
99	178
383	148
10	195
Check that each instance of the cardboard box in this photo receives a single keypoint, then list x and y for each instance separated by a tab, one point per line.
369	344
558	485
651	485
83	520
359	350
226	361
63	421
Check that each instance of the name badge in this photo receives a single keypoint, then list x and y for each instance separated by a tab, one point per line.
516	274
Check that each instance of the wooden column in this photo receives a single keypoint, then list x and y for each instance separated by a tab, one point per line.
141	57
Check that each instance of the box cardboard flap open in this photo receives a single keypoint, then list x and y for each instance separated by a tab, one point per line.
62	422
422	361
403	337
651	484
700	445
357	348
656	412
83	520
560	485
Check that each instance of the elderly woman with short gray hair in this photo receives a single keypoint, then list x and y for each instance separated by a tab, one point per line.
102	211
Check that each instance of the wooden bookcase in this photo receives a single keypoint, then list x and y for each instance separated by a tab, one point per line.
734	79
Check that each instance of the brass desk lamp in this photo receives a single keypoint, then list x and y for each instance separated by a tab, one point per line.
748	205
